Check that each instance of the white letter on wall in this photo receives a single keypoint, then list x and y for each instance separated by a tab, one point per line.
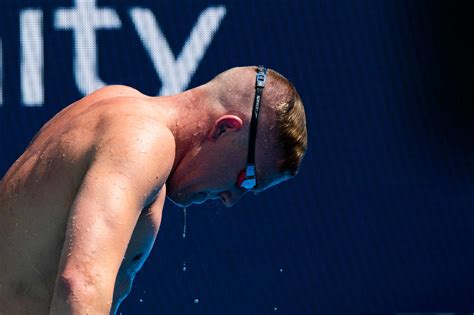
175	74
84	20
31	39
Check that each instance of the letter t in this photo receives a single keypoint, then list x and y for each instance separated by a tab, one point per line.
84	20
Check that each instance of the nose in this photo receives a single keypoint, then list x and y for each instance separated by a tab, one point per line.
230	197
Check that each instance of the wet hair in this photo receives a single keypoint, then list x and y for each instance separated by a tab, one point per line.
292	135
281	103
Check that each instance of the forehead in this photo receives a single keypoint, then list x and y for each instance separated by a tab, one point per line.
266	161
265	182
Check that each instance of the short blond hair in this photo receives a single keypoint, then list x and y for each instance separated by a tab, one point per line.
292	135
280	101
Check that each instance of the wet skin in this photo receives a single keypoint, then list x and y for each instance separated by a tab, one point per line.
43	228
81	208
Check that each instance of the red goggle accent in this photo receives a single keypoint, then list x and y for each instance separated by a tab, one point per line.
240	178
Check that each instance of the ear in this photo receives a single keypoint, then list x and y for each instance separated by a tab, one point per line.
224	125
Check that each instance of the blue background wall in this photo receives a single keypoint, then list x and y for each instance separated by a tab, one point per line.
379	220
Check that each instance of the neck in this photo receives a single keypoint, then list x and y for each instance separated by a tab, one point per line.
189	117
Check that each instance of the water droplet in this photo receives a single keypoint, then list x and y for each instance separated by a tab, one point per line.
196	301
281	269
184	227
141	300
184	266
275	308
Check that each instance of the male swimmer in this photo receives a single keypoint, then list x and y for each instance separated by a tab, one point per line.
81	208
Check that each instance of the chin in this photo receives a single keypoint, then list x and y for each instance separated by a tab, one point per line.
186	201
176	203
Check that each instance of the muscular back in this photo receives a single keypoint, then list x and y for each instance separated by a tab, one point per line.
39	190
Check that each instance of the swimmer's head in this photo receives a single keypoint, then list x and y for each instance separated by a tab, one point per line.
214	169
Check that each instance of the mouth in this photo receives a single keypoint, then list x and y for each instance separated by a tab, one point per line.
213	196
201	197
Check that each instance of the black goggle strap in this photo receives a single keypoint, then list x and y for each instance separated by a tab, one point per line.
259	85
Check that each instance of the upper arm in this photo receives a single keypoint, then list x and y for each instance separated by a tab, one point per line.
122	176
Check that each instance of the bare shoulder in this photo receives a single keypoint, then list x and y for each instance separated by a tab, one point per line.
136	146
115	91
104	94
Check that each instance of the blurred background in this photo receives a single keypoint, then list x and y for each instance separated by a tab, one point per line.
380	218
